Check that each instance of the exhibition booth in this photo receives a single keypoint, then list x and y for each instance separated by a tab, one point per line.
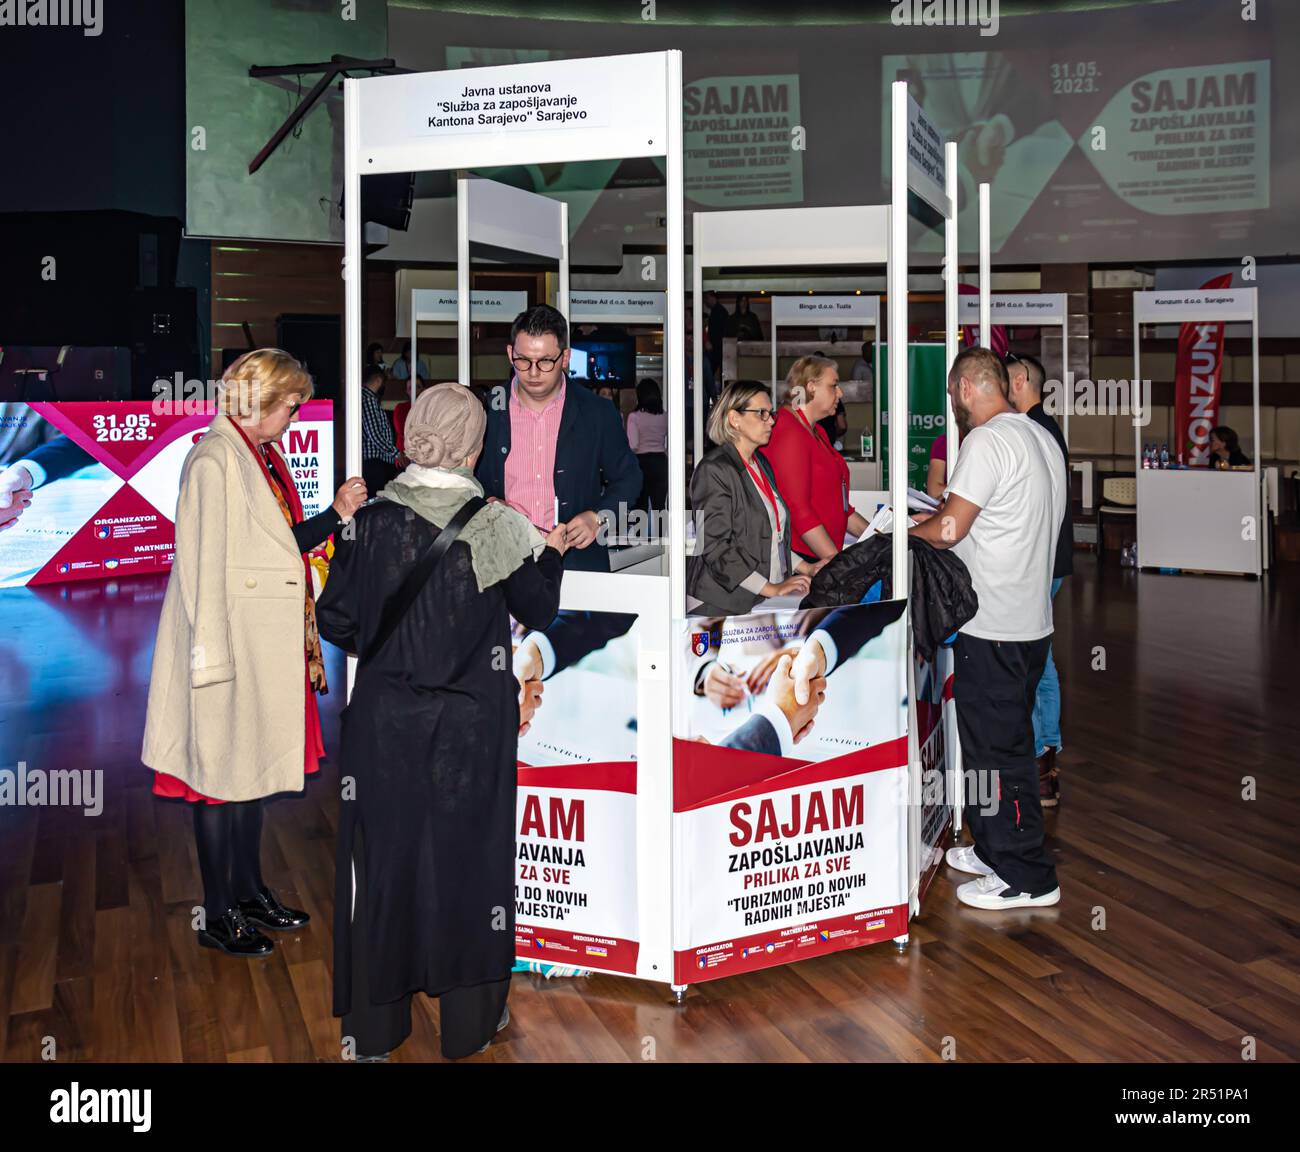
1195	517
662	836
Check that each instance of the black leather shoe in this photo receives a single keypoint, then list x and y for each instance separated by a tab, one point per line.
266	911
235	936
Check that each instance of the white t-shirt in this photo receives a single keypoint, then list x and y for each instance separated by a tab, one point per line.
1011	468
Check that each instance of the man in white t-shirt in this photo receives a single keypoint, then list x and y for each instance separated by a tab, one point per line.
1001	514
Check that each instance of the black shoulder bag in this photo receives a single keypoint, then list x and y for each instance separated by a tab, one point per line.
416	579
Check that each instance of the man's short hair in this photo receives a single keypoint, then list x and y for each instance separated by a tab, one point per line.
372	370
982	367
1035	372
541	320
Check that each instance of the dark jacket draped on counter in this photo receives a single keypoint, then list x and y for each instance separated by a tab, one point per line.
943	598
429	740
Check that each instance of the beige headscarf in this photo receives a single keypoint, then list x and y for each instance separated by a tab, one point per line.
444	429
445	426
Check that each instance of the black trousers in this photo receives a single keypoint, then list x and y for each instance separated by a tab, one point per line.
469	1016
654	481
994	687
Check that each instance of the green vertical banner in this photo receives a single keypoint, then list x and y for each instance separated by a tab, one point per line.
927	387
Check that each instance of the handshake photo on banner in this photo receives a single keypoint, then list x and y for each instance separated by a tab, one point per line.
764	680
558	669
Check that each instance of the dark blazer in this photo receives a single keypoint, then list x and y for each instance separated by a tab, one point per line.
595	469
1063	561
733	534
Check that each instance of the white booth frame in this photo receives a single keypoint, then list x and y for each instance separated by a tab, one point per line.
1179	510
381	135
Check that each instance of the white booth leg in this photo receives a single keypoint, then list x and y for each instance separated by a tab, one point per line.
900	942
679	991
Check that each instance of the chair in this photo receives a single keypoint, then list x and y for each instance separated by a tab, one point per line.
1118	498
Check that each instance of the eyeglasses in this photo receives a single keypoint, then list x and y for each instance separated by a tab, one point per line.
293	408
763	414
523	364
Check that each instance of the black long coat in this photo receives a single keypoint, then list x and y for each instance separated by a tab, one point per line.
429	740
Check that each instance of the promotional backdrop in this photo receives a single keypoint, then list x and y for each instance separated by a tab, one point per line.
111	477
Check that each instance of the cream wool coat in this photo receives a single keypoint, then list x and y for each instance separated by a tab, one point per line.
227	695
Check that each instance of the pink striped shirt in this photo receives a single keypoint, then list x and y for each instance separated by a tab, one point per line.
530	467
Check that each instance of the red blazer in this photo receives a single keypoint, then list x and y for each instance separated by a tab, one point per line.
813	479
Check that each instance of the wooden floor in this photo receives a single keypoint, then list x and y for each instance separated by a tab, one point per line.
1198	886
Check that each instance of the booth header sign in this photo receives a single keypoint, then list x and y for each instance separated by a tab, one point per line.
439	304
620	307
1015	308
925	167
1211	304
479	100
821	309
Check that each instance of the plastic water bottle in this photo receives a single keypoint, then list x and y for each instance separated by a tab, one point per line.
1146	456
1164	455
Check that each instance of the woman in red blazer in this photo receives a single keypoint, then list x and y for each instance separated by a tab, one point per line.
812	476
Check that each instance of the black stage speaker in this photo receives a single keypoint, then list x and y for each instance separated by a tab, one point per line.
164	337
314	340
386	199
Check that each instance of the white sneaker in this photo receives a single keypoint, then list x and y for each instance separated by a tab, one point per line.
965	860
992	892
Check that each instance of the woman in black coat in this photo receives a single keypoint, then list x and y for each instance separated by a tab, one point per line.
429	741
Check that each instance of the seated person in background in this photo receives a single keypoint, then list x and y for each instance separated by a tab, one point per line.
742	526
862	365
743	324
401	369
835	425
1225	449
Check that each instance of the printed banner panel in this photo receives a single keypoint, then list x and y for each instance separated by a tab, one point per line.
789	818
575	888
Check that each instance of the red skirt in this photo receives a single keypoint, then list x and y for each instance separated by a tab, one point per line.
174	789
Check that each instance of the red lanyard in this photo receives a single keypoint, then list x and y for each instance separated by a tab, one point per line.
766	489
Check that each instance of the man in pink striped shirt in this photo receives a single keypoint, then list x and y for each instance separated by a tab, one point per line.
554	450
534	430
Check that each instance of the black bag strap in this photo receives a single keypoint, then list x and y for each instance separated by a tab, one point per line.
416	579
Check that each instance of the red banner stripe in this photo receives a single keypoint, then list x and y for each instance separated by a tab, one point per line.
704	762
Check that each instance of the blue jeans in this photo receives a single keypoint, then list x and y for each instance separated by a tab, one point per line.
1047	702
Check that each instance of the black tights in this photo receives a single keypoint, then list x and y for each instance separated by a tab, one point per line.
229	840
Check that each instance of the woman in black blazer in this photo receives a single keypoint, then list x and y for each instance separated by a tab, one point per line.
742	526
